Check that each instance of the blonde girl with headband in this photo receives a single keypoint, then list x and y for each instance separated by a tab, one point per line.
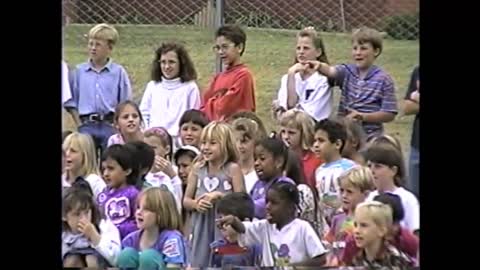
214	174
81	161
297	130
246	133
372	221
163	172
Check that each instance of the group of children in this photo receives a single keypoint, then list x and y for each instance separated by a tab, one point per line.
184	179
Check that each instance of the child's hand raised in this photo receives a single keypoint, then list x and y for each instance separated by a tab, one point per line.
203	203
161	164
277	110
231	220
199	163
86	227
225	221
355	115
298	67
212	196
314	64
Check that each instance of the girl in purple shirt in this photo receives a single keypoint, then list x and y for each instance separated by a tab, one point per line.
158	243
117	200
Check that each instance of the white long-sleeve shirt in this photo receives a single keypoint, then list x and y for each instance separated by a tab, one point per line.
110	243
164	103
315	96
174	185
96	183
411	207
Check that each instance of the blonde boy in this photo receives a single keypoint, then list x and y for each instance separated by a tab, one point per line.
355	185
99	85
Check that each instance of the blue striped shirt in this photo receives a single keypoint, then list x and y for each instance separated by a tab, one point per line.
376	92
99	91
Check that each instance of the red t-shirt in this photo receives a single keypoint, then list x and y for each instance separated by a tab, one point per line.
310	164
405	241
229	92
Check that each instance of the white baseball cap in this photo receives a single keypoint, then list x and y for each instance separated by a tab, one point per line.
184	149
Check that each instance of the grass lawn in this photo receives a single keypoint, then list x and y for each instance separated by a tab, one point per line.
268	53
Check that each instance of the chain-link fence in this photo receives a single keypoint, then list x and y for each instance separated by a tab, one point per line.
272	24
398	18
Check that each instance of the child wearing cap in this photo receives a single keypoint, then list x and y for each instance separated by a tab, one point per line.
183	160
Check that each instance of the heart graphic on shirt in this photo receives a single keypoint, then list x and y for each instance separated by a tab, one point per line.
226	185
210	184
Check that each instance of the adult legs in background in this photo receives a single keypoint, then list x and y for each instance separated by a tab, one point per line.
413	175
100	132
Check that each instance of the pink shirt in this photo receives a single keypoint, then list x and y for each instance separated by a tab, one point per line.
115	139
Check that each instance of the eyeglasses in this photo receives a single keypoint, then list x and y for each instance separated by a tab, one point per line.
223	47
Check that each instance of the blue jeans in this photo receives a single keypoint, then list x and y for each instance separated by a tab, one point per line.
100	132
414	167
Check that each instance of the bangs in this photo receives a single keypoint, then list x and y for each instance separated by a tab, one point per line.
82	206
77	201
152	202
72	141
290	123
210	133
247	126
384	154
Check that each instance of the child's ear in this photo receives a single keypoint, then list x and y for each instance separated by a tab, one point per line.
240	47
377	52
395	170
279	163
382	231
354	143
319	52
338	144
128	171
167	148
